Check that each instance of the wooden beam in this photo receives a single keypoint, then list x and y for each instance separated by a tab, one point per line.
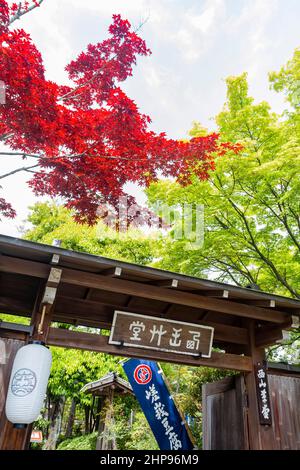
8	264
266	335
285	337
171	296
16	327
112	272
170	283
98	343
45	300
222	294
262	303
14	335
12	305
98	281
102	316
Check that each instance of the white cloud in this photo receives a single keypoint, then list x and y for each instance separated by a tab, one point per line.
154	78
199	29
205	21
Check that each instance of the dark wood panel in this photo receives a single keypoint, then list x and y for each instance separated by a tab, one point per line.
17	293
172	296
285	395
150	332
119	286
267	335
25	285
223	419
93	342
10	334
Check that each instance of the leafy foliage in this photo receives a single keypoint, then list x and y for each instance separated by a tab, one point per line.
51	222
72	369
251	202
86	442
287	80
89	138
141	436
14	319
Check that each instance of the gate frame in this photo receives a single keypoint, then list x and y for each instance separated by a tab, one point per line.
49	284
284	388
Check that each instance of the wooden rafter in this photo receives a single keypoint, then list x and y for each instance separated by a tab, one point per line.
97	281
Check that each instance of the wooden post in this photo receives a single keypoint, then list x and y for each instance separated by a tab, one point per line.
19	439
106	438
42	315
260	436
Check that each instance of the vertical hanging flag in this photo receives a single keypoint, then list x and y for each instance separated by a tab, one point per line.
158	405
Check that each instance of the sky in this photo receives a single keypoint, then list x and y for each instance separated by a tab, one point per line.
195	45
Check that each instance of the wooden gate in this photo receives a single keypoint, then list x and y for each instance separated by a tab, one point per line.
225	416
224	420
50	284
285	395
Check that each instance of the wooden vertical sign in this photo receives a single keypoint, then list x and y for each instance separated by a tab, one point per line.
263	395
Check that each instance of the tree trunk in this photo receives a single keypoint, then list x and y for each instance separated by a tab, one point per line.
71	419
87	419
106	438
55	424
97	417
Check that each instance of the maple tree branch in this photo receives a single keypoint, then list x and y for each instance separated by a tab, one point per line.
24	168
282	209
232	265
22	11
40	157
82	85
83	154
49	159
5	136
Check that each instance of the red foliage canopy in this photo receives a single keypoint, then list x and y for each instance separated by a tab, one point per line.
89	138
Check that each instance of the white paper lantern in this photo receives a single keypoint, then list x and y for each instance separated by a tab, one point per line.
28	384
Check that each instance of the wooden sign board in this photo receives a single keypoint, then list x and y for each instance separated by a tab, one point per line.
146	332
36	436
263	396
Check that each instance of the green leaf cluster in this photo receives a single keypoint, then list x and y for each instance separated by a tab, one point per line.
50	221
251	201
86	442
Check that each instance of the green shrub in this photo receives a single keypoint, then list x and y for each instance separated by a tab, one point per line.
87	442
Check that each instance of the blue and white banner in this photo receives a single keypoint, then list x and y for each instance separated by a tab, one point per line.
157	404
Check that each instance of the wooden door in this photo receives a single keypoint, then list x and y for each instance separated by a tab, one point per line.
224	414
285	395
